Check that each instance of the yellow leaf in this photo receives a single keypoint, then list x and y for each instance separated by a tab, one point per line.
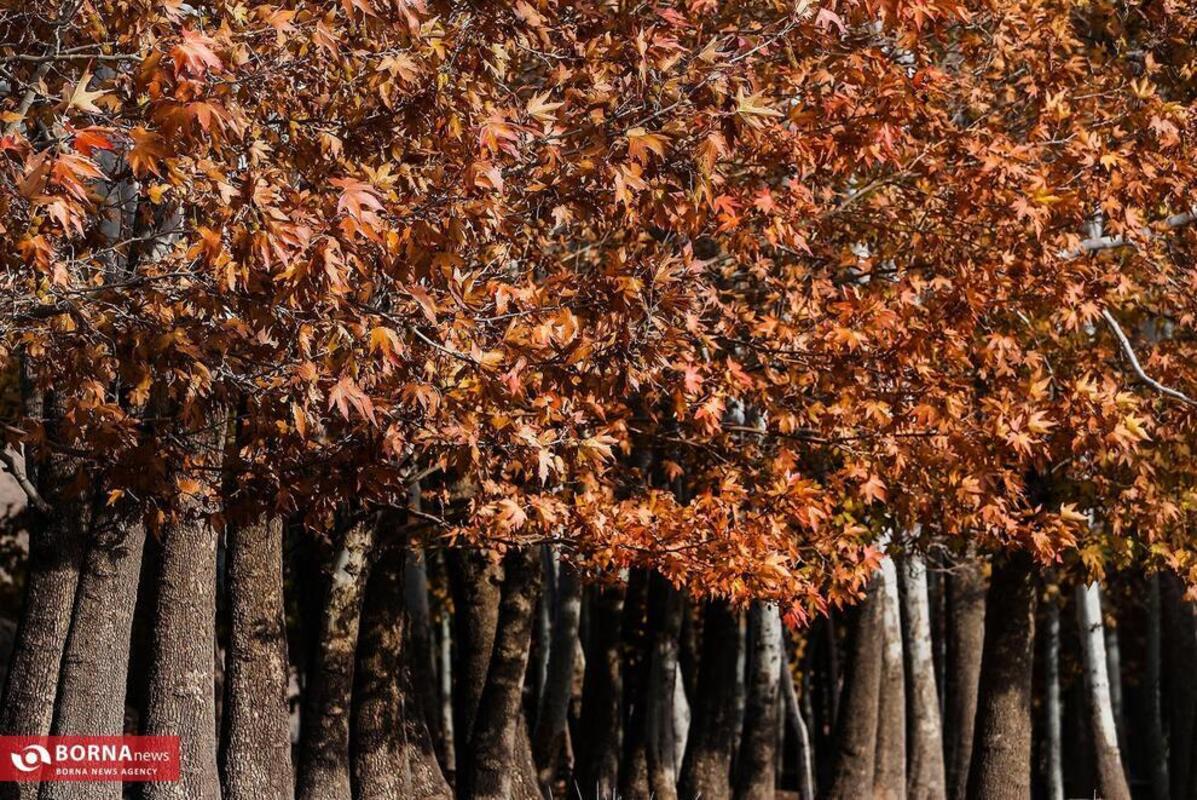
78	96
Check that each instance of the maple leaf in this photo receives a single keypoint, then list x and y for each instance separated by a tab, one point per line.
347	393
873	489
77	95
194	55
542	108
147	151
358	199
641	143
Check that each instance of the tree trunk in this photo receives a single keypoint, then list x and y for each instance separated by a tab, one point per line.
1111	779
706	768
56	549
597	773
756	767
494	739
255	753
551	718
324	742
181	699
965	641
666	606
1157	748
1054	743
925	779
91	694
856	725
422	662
392	753
1179	656
806	773
637	643
889	775
1114	671
476	582
1001	763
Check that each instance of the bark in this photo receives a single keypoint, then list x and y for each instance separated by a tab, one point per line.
91	695
889	775
1054	744
756	768
1157	748
666	606
475	581
597	772
392	753
856	725
1001	762
925	777
181	699
637	633
806	774
494	739
255	754
965	641
1111	780
444	644
1179	656
56	550
551	717
706	768
1114	671
421	659
324	744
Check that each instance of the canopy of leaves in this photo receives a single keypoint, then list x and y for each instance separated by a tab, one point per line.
732	289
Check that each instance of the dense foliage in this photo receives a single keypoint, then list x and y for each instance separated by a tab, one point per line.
730	289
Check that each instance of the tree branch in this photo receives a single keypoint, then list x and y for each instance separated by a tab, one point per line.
1137	367
7	457
1099	243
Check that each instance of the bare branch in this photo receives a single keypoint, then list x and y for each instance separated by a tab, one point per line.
17	470
1137	367
1099	243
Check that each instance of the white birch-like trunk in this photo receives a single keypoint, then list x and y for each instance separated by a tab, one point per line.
925	778
889	777
1111	778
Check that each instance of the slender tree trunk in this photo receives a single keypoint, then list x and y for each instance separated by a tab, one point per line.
889	776
756	769
1110	776
1114	670
1001	762
494	739
91	694
1179	656
1054	743
597	773
666	606
925	779
255	753
706	768
324	743
444	644
392	754
551	718
422	660
965	641
806	773
856	727
1157	748
637	657
181	698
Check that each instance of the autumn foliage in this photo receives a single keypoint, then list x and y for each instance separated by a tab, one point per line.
734	290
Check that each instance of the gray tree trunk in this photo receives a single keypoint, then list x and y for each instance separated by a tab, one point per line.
91	693
1001	765
889	776
857	721
255	753
756	766
925	777
1051	671
323	769
549	737
706	768
965	642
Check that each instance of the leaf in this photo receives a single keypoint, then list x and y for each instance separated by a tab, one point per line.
641	143
147	151
347	393
79	97
754	106
540	107
194	54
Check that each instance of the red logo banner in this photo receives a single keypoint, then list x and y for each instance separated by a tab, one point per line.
128	759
